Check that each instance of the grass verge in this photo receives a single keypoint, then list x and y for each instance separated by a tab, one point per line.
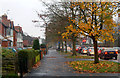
64	53
81	57
90	67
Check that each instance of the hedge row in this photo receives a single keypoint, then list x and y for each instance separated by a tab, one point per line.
22	61
7	53
8	62
27	58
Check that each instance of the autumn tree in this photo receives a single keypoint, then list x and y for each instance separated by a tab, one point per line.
58	14
95	20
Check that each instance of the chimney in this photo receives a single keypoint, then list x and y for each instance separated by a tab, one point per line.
4	17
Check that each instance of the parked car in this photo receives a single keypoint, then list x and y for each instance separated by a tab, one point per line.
19	49
79	50
117	49
100	49
90	51
68	48
24	48
108	53
84	50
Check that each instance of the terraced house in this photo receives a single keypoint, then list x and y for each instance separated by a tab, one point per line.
19	36
9	36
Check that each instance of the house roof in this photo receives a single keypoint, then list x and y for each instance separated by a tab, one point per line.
18	29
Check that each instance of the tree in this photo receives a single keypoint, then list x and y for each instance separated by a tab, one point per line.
36	45
57	22
93	19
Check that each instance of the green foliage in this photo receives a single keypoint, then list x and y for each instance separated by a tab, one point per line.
6	53
10	76
8	63
27	58
37	58
36	45
81	57
42	46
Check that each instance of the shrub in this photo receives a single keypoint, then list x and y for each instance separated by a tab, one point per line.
7	53
27	58
8	63
42	46
36	45
10	76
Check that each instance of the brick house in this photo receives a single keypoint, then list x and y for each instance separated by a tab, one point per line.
7	32
14	38
19	36
27	40
10	35
25	43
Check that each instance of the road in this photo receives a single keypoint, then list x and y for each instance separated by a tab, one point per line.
53	66
118	59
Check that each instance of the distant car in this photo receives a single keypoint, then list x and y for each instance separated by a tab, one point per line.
90	51
19	49
13	49
108	53
68	49
100	49
84	50
77	48
24	48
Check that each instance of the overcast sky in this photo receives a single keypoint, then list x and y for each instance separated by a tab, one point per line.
22	12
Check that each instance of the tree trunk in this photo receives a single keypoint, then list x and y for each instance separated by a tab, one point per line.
74	46
118	41
96	60
62	47
65	46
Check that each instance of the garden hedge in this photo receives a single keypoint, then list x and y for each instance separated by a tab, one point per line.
27	58
9	66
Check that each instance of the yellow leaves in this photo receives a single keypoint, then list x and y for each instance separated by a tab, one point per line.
76	67
90	28
101	67
113	32
73	21
58	32
80	68
73	30
64	35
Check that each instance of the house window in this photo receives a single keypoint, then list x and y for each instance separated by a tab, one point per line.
8	31
4	32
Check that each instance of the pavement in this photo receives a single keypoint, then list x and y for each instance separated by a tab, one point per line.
53	66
